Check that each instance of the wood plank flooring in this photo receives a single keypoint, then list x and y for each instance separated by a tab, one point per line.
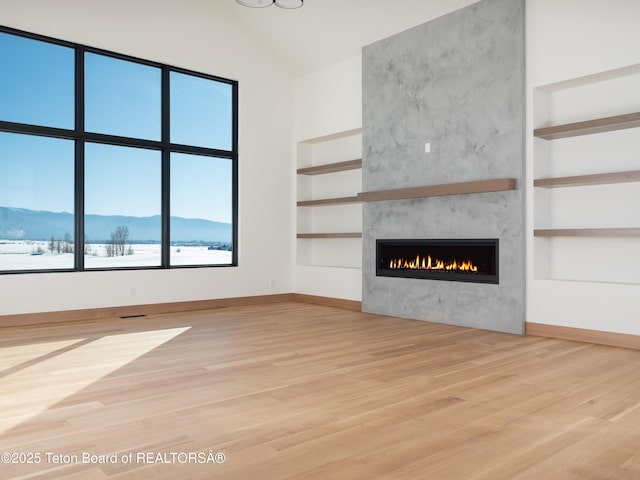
299	391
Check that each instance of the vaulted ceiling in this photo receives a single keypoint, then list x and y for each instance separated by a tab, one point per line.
324	32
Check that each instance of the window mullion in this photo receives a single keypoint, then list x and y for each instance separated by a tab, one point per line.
79	159
166	168
235	175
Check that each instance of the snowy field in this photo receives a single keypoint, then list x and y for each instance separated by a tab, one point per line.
34	255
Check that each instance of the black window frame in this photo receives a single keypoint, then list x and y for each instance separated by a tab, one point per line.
164	146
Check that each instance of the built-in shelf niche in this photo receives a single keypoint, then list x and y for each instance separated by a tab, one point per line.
329	213
587	181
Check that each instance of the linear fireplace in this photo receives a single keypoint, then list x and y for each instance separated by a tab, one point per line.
460	260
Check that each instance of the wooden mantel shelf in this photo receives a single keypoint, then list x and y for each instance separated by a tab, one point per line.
598	125
479	186
587	232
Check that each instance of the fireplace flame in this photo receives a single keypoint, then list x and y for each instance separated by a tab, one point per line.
426	263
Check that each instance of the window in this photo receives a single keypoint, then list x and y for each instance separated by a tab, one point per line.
112	162
37	82
201	210
200	112
36	203
121	98
122	207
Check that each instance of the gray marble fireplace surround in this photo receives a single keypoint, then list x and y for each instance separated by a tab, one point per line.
457	83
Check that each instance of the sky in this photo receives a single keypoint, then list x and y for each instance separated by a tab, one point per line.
121	98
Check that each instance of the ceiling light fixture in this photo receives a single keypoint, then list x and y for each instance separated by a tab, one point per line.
288	4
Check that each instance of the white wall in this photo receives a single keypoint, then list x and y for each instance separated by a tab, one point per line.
189	34
328	102
566	40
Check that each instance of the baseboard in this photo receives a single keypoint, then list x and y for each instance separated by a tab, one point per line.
148	309
171	307
583	335
328	301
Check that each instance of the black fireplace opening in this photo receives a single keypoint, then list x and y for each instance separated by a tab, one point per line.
458	260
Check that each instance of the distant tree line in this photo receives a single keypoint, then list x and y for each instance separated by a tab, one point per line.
64	245
117	245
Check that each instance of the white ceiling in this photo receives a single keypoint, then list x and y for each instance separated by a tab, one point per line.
324	32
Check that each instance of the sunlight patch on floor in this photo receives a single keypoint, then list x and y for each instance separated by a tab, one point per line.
16	355
54	371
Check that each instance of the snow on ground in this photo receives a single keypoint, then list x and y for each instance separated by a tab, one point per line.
25	255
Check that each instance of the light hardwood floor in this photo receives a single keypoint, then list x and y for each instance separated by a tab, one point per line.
299	391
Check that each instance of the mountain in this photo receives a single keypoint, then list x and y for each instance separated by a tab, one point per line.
25	224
